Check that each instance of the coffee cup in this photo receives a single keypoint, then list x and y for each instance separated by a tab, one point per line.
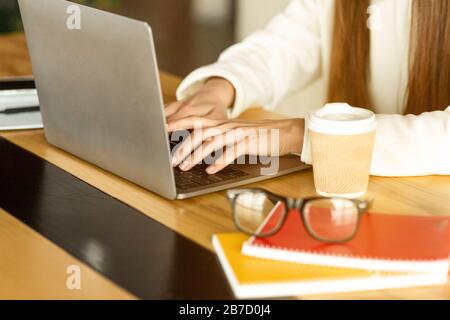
342	139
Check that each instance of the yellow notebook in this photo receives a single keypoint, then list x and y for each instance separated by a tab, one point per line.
257	278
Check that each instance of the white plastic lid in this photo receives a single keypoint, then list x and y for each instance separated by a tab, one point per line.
341	119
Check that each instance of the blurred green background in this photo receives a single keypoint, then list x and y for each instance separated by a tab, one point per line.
10	16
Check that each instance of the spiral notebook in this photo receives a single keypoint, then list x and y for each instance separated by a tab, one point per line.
252	278
384	242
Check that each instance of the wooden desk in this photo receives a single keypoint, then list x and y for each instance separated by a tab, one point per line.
197	219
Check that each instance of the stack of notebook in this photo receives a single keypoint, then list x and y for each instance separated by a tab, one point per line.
388	252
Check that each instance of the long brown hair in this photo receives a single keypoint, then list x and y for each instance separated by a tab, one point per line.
429	56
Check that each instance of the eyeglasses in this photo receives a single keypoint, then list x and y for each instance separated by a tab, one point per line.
262	214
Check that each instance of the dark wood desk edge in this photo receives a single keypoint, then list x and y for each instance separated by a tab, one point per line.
152	262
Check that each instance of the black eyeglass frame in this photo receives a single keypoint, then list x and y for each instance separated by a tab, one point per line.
299	205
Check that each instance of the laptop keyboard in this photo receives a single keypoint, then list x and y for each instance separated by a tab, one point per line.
198	177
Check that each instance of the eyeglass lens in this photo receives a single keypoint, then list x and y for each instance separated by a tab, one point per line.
331	219
252	211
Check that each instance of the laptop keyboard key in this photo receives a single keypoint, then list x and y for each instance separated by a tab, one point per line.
198	177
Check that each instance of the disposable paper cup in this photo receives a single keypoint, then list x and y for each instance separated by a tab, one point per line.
342	140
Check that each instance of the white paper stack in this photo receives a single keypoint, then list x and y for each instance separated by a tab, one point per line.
19	99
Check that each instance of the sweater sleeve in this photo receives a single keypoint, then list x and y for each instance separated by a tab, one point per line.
412	145
269	64
407	145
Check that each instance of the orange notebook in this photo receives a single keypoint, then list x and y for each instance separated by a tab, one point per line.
384	242
252	278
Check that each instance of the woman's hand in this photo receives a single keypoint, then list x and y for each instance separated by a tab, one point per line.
212	100
235	138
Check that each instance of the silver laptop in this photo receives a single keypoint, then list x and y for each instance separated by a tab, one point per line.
98	83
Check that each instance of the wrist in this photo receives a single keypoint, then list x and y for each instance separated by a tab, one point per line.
222	89
296	134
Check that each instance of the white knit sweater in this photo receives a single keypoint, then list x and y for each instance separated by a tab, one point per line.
293	51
